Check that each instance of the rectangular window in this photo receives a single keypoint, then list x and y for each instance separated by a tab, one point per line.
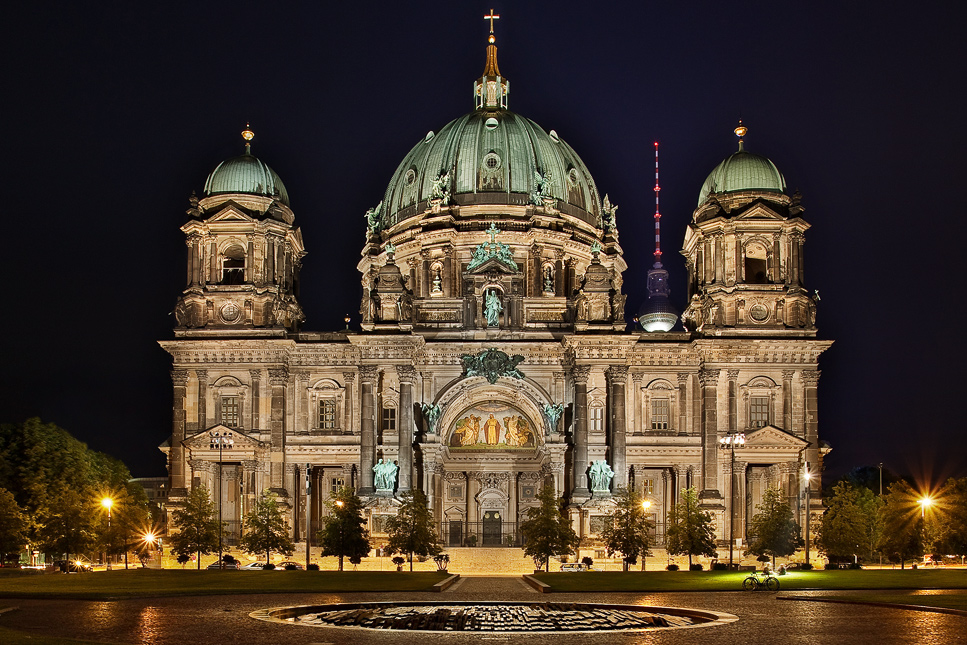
758	411
327	414
230	411
648	486
389	419
597	419
335	484
659	414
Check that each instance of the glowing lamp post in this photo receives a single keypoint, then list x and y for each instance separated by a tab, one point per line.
107	503
728	442
807	476
924	503
339	503
645	505
220	441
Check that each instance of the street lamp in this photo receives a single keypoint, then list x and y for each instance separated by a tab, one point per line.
924	502
339	518
807	476
645	505
107	503
220	440
728	442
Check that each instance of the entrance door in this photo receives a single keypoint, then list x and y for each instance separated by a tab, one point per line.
456	533
491	528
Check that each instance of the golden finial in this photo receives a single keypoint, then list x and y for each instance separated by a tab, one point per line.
491	18
248	135
740	132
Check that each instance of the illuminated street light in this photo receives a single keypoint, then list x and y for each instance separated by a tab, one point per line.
220	440
807	476
924	502
645	505
107	503
728	442
340	503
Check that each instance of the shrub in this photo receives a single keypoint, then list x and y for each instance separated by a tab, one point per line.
672	567
313	566
269	566
183	558
290	567
805	566
857	565
720	566
696	566
588	561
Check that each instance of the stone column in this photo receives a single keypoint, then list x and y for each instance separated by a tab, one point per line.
349	378
202	376
787	401
682	403
810	379
407	376
733	409
367	428
256	376
278	377
617	378
739	259
176	460
579	375
636	406
775	263
710	441
303	416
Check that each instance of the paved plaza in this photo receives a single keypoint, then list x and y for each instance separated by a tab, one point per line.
763	618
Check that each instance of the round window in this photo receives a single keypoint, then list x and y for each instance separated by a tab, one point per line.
759	312
572	176
491	123
230	312
491	161
410	176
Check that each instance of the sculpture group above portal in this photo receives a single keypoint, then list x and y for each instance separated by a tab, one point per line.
492	364
384	475
601	476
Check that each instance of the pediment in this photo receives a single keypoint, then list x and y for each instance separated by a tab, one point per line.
497	265
203	440
230	213
773	437
760	211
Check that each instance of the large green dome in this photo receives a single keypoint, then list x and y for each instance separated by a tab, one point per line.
492	156
743	171
246	174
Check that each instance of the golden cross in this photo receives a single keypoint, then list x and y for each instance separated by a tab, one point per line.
491	18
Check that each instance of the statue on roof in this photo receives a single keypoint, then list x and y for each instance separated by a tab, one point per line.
374	219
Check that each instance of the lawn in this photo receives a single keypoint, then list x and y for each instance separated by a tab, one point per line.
146	583
732	581
945	601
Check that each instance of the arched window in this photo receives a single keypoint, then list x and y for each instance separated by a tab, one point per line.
755	264
233	265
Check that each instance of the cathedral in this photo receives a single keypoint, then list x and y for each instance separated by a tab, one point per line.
493	355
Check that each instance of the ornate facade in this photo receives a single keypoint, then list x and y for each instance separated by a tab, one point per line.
493	355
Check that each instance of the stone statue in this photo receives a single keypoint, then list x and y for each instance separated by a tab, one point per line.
608	222
492	308
440	188
601	476
374	219
431	413
553	412
542	187
385	475
548	280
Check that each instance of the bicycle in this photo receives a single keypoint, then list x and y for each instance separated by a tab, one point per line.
754	583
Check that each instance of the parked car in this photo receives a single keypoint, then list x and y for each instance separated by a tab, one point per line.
289	565
253	566
231	566
574	566
71	566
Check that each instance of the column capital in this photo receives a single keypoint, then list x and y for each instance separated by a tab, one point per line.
407	373
709	377
179	377
349	377
617	373
368	373
810	378
683	378
732	374
580	374
788	374
278	375
201	374
255	374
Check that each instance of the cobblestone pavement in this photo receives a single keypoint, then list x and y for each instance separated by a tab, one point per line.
225	619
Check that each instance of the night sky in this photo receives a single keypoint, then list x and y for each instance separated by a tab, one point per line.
114	112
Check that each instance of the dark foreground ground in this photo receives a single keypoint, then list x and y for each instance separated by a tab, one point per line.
763	618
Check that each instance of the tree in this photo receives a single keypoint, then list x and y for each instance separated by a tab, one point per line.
626	531
197	525
774	531
13	525
842	526
266	529
66	522
411	530
951	512
690	528
343	533
903	530
546	531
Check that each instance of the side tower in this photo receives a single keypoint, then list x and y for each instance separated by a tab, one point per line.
744	253
244	255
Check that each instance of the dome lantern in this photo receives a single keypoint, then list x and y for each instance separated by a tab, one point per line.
491	89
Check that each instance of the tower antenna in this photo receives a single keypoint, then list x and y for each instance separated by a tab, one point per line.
657	214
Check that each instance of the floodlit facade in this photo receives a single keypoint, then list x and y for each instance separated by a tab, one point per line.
493	355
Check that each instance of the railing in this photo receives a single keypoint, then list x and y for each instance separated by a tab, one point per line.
486	533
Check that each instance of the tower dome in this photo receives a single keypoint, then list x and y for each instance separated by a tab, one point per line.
743	171
246	174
